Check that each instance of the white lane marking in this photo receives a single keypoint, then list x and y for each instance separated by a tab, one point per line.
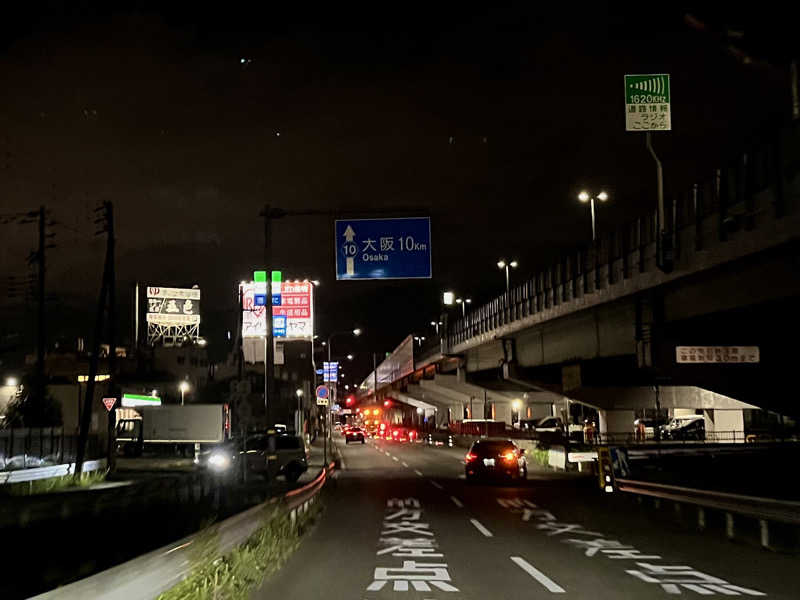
548	583
418	472
395	459
437	485
462	476
457	502
481	528
405	464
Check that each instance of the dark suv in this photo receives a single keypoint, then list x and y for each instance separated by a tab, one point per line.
495	459
267	454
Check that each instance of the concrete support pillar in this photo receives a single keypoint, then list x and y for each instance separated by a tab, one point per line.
725	425
616	422
503	412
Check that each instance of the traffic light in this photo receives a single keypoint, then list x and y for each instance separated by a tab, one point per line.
350	400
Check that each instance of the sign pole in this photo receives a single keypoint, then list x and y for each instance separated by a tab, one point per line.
269	366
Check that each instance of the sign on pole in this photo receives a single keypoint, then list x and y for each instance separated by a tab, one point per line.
383	248
322	395
647	103
109	403
330	372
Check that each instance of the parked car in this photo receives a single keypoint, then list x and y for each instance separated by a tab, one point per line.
692	427
489	459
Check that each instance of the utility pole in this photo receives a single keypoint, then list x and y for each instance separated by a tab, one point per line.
269	361
112	333
41	334
86	414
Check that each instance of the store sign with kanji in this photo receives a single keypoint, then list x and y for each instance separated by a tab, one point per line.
173	306
647	103
717	354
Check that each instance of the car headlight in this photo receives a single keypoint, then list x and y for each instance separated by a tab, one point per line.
219	461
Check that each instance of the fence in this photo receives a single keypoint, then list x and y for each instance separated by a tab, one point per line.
708	214
33	447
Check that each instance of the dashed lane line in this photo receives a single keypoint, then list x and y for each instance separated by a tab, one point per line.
395	459
437	485
481	528
548	583
418	472
457	502
405	464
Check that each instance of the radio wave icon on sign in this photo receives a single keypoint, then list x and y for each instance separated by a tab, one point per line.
656	85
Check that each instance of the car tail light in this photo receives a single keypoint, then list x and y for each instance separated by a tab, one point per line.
412	434
395	433
470	457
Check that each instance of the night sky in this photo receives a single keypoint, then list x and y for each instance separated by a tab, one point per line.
191	119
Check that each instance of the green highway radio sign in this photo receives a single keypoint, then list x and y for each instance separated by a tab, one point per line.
647	103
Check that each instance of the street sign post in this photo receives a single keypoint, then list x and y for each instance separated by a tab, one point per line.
383	248
647	103
322	395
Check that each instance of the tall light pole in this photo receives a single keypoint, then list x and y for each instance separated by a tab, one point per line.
463	302
585	197
355	332
504	265
184	387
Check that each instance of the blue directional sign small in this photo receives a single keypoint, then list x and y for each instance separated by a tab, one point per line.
260	299
276	299
383	248
278	326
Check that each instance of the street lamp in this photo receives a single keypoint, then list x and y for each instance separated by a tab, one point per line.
349	357
504	265
184	387
355	332
516	405
585	197
435	325
463	303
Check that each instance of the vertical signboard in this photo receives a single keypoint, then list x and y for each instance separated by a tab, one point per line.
647	103
292	318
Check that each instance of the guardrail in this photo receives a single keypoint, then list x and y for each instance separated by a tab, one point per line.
24	475
764	510
147	576
29	447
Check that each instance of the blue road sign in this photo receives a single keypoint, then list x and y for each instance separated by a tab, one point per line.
260	299
383	248
278	326
331	372
276	299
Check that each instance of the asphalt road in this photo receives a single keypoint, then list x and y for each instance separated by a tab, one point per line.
401	523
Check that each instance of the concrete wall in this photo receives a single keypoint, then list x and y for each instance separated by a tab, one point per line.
670	397
616	421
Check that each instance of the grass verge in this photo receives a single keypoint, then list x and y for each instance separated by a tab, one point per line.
55	484
237	574
541	456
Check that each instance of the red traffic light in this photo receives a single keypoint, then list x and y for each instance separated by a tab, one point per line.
350	400
386	403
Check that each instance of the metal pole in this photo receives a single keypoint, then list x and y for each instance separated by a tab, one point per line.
269	363
136	318
508	280
112	337
328	407
591	203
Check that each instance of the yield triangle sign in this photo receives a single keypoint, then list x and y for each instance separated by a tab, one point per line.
109	403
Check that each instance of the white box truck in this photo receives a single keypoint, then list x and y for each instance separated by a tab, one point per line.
182	427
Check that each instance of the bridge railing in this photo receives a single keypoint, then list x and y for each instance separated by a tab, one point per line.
740	196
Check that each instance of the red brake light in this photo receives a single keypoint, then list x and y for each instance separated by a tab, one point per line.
395	433
470	457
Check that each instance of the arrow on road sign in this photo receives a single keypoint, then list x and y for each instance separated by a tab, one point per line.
109	403
349	234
